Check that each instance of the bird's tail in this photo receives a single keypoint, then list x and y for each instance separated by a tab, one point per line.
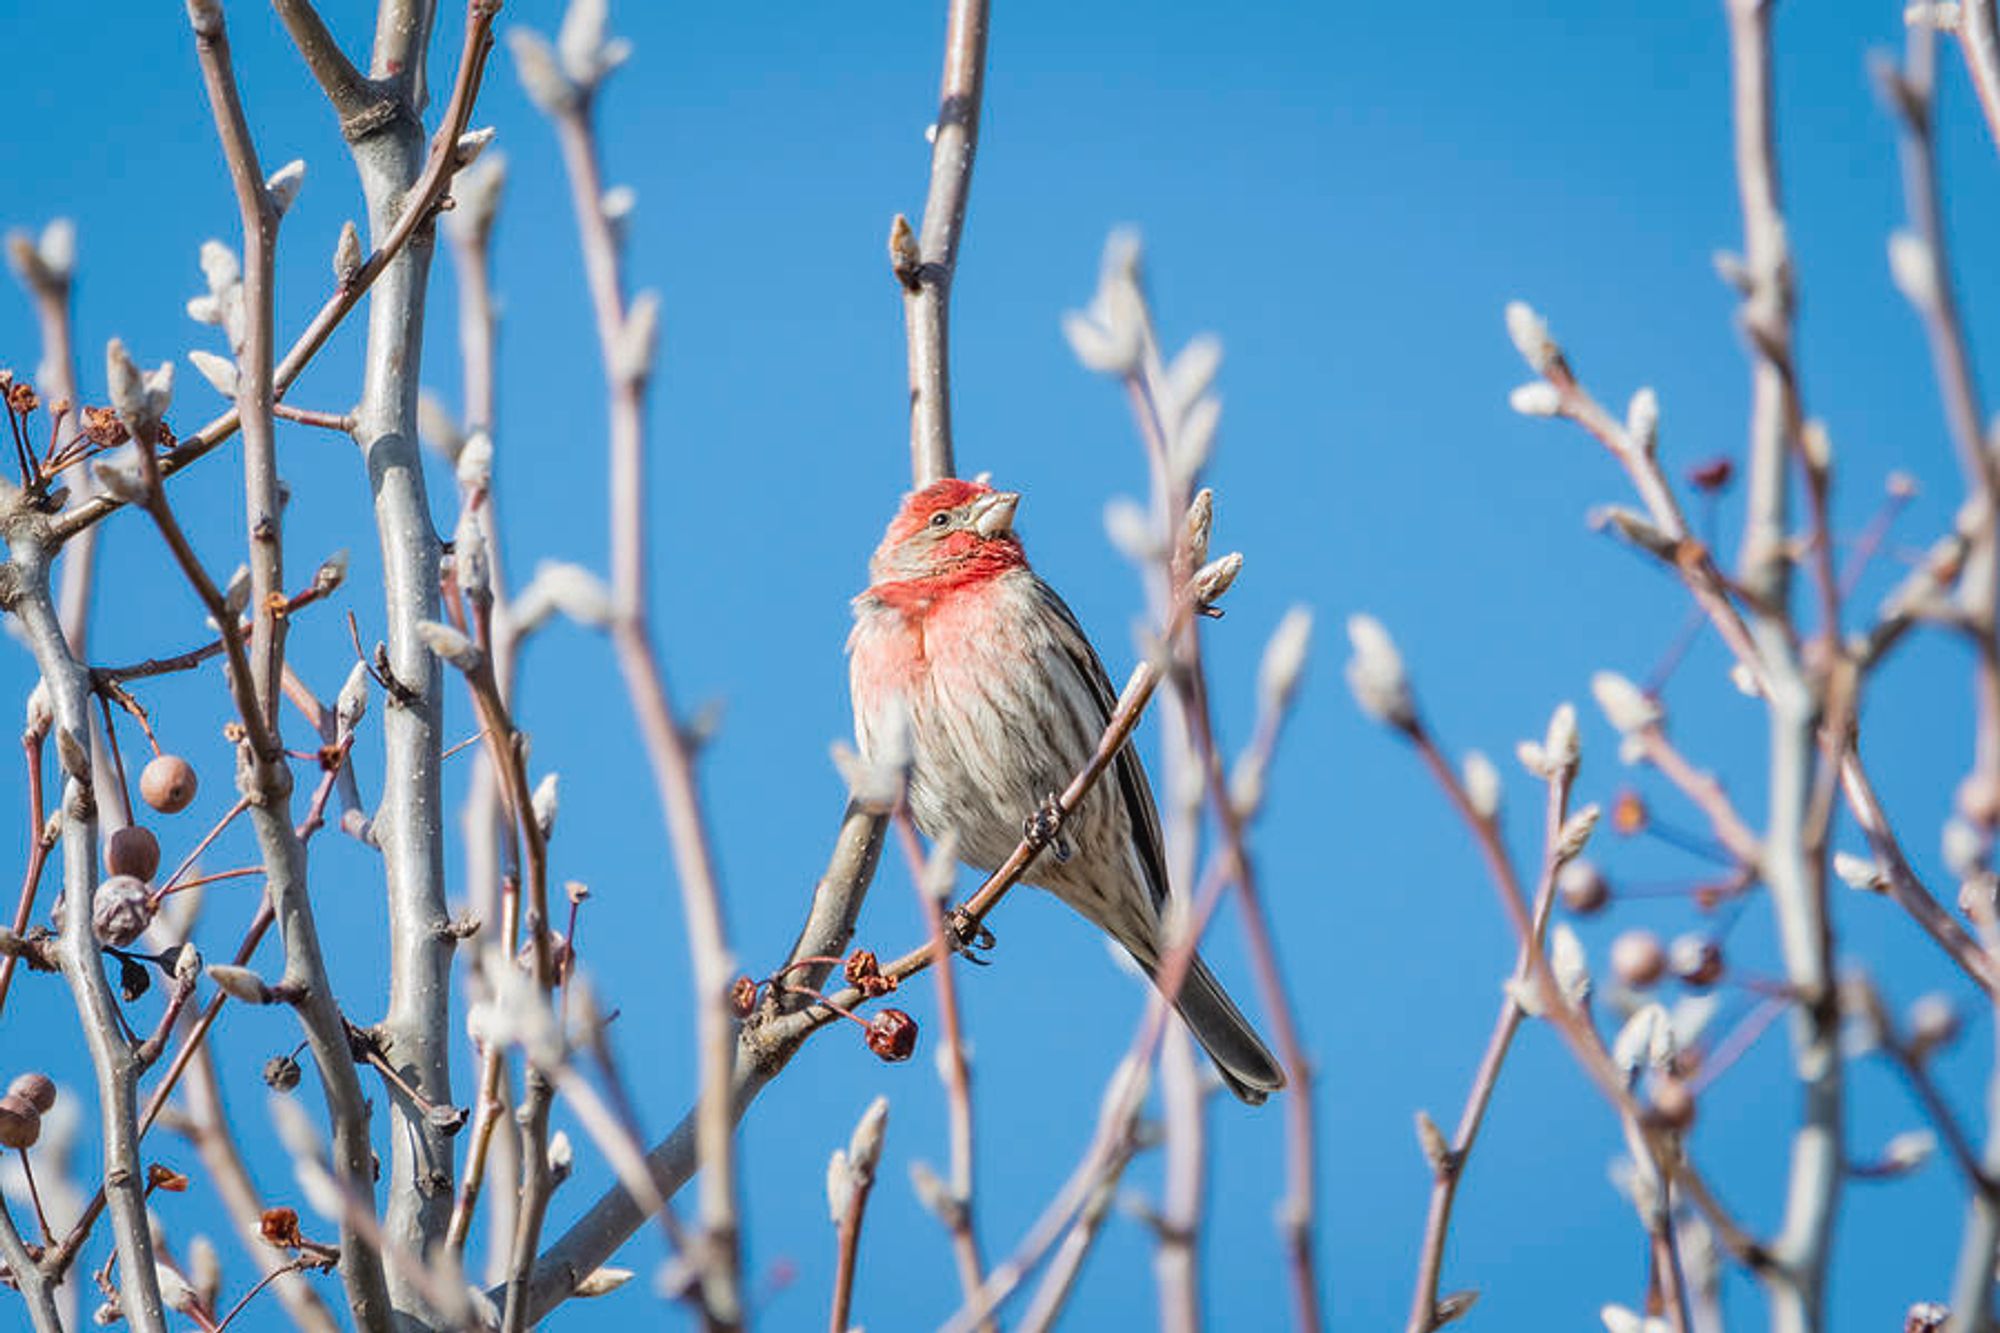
1246	1064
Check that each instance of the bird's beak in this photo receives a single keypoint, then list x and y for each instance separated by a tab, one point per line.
993	515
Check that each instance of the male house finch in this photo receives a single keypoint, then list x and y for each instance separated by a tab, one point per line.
1005	700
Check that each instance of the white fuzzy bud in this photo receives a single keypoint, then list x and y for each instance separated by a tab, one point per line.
220	267
1576	831
57	249
219	371
1482	786
1193	437
1213	579
1125	522
1284	660
1567	962
1637	1041
124	383
1431	1140
1193	371
1531	337
545	802
239	983
1375	674
1625	705
121	478
204	310
1536	399
1198	524
541	77
471	144
285	183
1964	848
475	461
347	256
437	427
351	704
1909	1150
569	589
1560	746
1858	872
450	645
633	350
1642	421
602	1282
1103	350
1913	268
332	572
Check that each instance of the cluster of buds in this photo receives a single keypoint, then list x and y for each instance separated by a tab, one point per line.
28	1098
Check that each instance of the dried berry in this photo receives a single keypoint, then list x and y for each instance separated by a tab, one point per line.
1712	476
1583	888
892	1035
864	972
1697	960
280	1227
167	784
743	996
1672	1104
281	1073
20	1122
38	1089
1638	959
133	979
120	911
132	851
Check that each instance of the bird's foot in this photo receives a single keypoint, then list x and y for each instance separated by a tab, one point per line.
1044	827
969	939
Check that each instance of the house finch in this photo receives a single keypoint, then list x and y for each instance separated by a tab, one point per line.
1005	701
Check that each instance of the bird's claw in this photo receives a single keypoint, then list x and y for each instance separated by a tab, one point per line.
968	937
1044	827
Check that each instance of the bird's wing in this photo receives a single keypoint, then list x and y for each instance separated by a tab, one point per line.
1126	770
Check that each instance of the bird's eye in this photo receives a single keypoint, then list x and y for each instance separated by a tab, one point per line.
941	519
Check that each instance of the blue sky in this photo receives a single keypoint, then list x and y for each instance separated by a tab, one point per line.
1347	196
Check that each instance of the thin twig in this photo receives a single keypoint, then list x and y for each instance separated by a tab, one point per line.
927	281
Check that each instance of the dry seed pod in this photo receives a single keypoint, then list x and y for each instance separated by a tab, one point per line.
168	784
133	851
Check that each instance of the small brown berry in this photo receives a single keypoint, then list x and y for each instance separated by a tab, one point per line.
280	1227
1583	888
743	996
281	1073
20	1122
120	911
892	1035
168	784
1696	959
1672	1104
133	851
1638	959
38	1089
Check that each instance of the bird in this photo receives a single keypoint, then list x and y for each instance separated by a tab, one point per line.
967	666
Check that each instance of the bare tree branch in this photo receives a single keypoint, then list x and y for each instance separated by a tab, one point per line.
927	263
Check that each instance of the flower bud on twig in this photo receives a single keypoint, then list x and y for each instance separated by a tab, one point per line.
1375	674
